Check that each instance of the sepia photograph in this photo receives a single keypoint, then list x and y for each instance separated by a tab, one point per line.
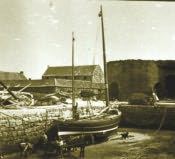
87	79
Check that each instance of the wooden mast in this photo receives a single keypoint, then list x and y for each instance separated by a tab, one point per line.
73	90
104	58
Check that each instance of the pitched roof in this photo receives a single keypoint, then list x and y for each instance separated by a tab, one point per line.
12	76
78	84
84	70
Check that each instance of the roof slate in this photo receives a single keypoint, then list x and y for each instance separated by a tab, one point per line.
84	70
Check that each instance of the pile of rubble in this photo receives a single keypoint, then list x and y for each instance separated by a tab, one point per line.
9	99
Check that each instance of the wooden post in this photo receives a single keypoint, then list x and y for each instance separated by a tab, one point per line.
73	90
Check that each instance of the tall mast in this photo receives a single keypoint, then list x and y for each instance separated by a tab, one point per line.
104	57
73	90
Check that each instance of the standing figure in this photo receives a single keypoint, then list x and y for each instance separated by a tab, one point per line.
60	145
82	147
75	112
82	151
25	149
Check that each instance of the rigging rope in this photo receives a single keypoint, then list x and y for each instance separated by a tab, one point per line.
162	120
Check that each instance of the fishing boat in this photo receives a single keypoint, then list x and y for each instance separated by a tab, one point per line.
30	123
104	122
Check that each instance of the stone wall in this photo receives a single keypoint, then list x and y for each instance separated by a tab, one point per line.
18	125
148	116
132	76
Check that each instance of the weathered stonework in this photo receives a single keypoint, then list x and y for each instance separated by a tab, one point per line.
18	125
141	76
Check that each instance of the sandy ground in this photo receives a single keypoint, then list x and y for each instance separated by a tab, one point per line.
141	144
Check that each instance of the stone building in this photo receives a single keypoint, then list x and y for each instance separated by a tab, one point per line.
60	79
141	76
33	86
92	73
12	76
51	85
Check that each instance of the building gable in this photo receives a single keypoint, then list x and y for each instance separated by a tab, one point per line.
12	76
66	71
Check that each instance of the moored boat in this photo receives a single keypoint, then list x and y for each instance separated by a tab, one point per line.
104	122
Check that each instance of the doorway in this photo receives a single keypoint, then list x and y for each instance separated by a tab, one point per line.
158	90
170	86
113	91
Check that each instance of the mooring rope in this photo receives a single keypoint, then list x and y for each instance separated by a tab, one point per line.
162	120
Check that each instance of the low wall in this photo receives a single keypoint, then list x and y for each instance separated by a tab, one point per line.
147	116
18	125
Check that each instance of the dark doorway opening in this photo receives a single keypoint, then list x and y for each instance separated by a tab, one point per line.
170	86
158	90
113	91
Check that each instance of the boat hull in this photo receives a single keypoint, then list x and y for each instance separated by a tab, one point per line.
96	125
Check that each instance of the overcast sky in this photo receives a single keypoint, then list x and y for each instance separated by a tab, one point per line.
37	33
